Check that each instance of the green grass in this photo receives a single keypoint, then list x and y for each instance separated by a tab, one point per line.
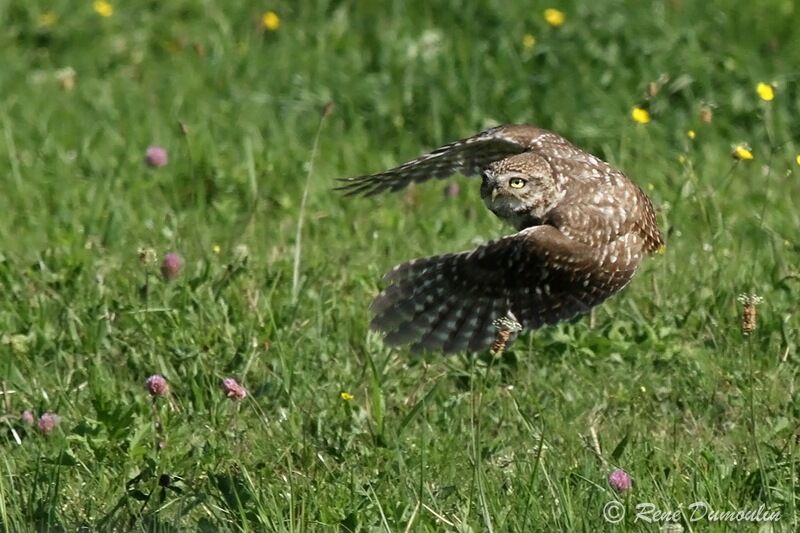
661	374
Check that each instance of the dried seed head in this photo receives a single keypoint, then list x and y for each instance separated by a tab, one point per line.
241	252
749	302
507	328
147	256
66	78
706	115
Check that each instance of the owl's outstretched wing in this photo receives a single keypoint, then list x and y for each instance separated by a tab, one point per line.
467	156
449	302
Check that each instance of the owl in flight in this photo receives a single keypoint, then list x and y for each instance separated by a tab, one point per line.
582	229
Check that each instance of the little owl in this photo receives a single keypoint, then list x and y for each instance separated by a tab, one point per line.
582	229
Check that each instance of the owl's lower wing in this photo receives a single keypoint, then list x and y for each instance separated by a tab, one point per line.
467	156
449	302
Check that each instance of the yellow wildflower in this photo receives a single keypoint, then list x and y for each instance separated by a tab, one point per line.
554	17
742	152
270	21
640	115
765	91
346	396
103	8
216	249
528	41
47	19
797	159
691	134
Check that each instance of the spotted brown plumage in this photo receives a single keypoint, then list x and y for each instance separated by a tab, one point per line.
583	228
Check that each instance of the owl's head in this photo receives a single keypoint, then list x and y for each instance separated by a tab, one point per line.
520	186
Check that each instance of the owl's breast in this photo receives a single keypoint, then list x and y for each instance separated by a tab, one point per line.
618	261
592	225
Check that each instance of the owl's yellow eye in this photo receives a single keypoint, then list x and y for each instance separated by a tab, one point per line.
516	183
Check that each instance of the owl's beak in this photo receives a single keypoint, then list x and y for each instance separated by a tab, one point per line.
495	192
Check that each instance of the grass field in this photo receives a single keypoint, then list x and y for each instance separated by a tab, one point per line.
659	381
